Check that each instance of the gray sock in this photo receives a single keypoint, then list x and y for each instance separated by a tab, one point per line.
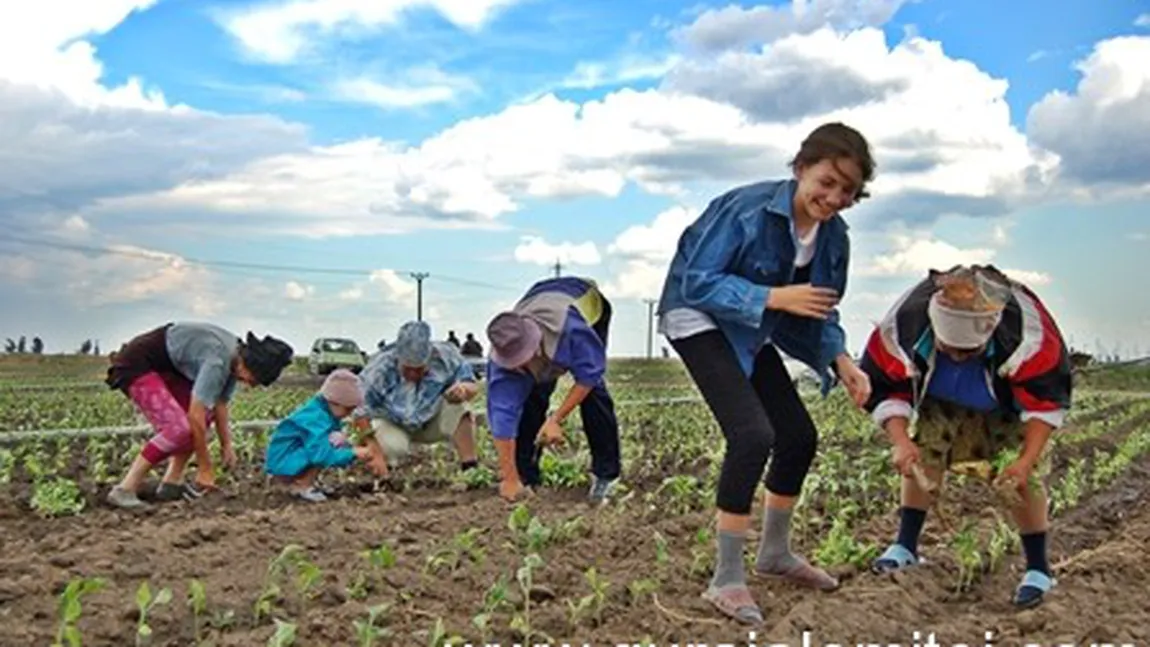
774	546
729	567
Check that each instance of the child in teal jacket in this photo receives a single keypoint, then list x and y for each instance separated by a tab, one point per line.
311	438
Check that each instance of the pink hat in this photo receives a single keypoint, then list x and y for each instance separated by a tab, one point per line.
514	339
342	387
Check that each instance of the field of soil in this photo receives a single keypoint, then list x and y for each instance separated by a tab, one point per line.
227	541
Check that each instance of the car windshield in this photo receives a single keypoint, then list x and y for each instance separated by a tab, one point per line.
340	346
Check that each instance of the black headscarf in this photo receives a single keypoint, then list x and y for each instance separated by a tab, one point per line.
266	358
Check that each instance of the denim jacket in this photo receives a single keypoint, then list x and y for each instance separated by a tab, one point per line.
730	257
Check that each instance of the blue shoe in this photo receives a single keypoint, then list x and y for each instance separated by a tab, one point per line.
1032	589
896	557
600	489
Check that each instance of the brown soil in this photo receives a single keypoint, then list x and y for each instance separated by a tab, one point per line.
227	540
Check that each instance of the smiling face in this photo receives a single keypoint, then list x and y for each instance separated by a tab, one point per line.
826	188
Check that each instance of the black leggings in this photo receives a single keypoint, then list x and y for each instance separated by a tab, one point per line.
757	415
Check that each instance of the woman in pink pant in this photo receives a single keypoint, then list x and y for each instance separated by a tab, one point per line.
181	377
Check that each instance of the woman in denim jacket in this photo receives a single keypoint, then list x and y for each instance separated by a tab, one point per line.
762	270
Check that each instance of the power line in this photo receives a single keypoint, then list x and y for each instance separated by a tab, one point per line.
299	269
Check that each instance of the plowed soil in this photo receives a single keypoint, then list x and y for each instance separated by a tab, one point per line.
1100	551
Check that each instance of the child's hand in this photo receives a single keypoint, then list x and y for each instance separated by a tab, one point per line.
337	439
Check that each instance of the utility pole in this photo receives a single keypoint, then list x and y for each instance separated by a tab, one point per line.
419	276
558	268
650	329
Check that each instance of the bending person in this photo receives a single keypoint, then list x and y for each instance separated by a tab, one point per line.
560	326
762	271
181	377
980	360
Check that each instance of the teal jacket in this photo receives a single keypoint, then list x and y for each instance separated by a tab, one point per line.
300	441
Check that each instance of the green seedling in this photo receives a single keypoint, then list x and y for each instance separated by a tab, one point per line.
70	609
57	497
591	605
197	604
438	636
145	603
284	636
366	633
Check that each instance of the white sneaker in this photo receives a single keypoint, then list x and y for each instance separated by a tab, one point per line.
122	498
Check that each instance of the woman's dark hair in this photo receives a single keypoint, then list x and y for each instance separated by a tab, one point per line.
833	141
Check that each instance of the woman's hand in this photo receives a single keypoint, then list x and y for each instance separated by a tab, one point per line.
803	300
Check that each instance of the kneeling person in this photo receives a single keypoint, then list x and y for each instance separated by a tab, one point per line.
311	439
416	391
981	361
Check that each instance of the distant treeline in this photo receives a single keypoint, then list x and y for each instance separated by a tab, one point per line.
21	346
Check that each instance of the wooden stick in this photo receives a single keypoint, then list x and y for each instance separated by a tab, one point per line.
920	477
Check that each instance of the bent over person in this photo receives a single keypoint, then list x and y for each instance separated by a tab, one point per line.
560	326
981	363
181	377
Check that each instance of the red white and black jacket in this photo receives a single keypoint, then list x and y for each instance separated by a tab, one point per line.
1028	362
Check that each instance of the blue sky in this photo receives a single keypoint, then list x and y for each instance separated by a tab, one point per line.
481	142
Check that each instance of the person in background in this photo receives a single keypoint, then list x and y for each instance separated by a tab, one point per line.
416	391
181	377
560	326
311	439
471	347
761	271
980	361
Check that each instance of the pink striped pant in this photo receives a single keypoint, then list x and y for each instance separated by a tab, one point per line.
164	399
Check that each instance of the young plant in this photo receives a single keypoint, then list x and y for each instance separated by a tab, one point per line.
438	636
366	633
589	605
495	599
968	555
197	604
525	576
465	545
70	609
57	497
284	636
145	603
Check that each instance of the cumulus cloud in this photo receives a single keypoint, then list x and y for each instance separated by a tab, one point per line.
1101	132
283	31
537	251
296	291
940	128
734	27
645	252
61	155
69	140
913	257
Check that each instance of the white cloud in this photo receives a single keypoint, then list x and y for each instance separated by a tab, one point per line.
627	69
419	86
296	291
43	45
537	251
913	257
645	252
1142	20
941	131
734	27
1102	131
655	241
282	31
392	287
916	256
1139	236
